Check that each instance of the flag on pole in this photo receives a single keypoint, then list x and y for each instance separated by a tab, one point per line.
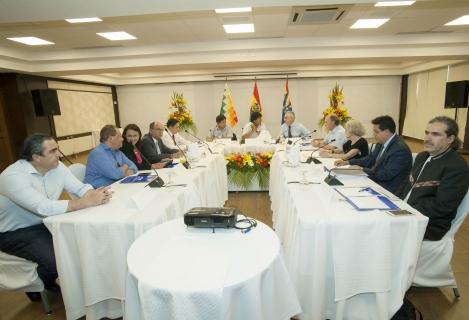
255	100
227	108
286	102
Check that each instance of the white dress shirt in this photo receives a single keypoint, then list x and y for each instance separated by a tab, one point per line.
26	197
248	127
338	133
169	142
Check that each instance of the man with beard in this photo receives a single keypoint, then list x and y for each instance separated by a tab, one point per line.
439	178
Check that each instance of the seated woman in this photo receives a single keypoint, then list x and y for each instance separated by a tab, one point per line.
355	147
131	148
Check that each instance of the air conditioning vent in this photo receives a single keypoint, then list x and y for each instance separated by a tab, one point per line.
307	15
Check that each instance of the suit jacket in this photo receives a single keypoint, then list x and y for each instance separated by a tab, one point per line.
148	148
128	150
438	191
392	168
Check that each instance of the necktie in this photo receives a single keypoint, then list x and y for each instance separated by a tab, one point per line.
289	131
158	151
174	140
380	153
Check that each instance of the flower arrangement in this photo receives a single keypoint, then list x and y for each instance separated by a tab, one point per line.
181	113
243	168
336	106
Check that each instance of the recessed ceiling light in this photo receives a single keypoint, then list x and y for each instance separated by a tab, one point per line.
232	10
459	21
239	28
114	36
83	20
368	23
32	41
394	3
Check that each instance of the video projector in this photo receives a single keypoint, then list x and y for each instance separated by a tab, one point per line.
204	217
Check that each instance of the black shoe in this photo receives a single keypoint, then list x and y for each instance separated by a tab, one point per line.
34	296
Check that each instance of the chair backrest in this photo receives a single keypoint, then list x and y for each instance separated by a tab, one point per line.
461	214
78	171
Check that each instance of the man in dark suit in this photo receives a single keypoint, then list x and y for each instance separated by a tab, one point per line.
439	178
153	147
390	162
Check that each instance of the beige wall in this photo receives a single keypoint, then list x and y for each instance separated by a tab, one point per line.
365	97
84	108
426	98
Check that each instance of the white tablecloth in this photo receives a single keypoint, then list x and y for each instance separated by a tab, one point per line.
344	263
91	245
226	147
180	273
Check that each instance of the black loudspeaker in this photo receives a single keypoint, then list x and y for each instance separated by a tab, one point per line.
46	102
456	94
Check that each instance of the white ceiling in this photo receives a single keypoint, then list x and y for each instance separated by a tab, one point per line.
185	40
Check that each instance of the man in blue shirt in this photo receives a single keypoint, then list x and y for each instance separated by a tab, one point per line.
291	128
106	163
30	191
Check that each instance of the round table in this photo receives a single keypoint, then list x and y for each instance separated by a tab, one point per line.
176	272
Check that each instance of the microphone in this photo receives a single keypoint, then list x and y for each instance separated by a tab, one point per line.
198	139
331	180
303	136
158	181
185	164
316	161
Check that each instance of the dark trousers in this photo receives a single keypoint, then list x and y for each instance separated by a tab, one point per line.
34	244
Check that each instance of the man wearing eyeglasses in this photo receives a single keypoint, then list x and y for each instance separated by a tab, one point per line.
106	163
30	190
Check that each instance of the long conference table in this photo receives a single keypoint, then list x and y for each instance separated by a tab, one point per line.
91	245
344	264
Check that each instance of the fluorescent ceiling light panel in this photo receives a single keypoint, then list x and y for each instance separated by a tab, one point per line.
83	20
459	21
32	41
115	36
368	23
239	28
233	10
394	3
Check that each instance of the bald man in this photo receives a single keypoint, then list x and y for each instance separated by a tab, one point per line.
152	145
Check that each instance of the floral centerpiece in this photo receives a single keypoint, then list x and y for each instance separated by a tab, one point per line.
181	113
336	106
243	168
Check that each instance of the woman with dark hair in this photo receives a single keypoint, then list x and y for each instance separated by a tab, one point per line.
131	146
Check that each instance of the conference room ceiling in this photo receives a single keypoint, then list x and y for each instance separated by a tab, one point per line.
185	41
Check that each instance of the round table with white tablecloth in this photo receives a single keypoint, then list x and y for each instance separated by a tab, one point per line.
176	272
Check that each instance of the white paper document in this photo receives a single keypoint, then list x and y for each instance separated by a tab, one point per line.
368	203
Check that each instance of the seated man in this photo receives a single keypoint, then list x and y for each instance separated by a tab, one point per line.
390	162
29	192
221	130
335	132
291	128
439	178
106	163
172	138
153	148
255	127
